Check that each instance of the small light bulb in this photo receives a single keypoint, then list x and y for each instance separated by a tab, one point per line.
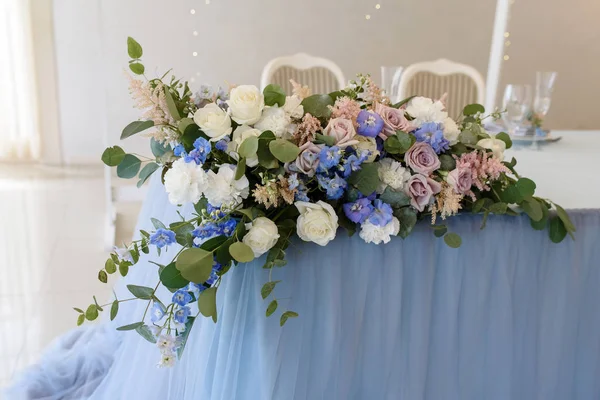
207	1
506	58
507	43
367	16
195	33
378	6
195	54
506	34
192	11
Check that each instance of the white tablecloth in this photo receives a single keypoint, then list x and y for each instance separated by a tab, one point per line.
566	171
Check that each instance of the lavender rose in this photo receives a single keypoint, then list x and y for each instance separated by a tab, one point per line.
422	158
342	130
308	159
393	120
420	189
460	179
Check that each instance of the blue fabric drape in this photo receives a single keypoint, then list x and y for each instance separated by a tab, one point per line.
509	315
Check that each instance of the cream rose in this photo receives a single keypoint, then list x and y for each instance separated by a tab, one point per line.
242	133
496	145
246	103
262	235
342	131
367	144
213	121
317	222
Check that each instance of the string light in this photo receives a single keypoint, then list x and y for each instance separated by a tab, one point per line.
506	57
192	11
207	1
368	16
506	34
507	43
195	54
195	33
378	6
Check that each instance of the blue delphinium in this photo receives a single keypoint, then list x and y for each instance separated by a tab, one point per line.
205	230
181	297
214	212
293	181
329	157
222	144
334	186
212	278
201	151
179	151
157	312
182	314
162	237
358	211
353	163
370	124
382	213
196	288
228	227
433	133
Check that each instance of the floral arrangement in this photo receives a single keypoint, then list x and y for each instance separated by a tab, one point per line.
261	167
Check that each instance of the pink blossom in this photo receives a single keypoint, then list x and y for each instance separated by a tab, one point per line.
346	108
484	167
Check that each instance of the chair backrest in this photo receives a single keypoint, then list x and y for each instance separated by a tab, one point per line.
463	83
319	74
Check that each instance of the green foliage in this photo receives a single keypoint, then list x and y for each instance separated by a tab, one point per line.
136	127
110	266
129	167
439	230
395	199
271	308
137	68
498	208
114	310
408	219
265	157
171	277
323	139
533	208
284	150
473	109
318	105
102	277
286	315
184	335
157	224
222	253
557	231
268	288
207	303
564	217
80	319
195	264
158	149
403	102
241	252
183	233
141	292
526	187
249	147
505	138
147	172
113	156
145	332
130	327
213	243
124	269
240	169
543	222
399	143
452	240
274	94
366	179
171	105
91	313
134	49
448	163
252	213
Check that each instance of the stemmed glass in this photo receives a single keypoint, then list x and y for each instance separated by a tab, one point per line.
544	86
390	81
516	103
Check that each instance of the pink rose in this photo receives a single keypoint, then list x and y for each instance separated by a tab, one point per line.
420	189
393	120
308	159
460	180
342	130
422	158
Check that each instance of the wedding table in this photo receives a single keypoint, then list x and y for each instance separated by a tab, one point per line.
509	315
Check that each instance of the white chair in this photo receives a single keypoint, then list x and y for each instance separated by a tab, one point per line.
463	83
319	74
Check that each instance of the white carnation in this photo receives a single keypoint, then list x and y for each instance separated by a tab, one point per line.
293	107
451	131
274	119
393	174
185	182
317	222
371	233
262	236
424	109
224	189
242	133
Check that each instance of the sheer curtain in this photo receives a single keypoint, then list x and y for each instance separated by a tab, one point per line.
19	131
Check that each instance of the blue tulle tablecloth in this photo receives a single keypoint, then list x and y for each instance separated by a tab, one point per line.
509	315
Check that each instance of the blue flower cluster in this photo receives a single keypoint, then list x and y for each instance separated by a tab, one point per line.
199	154
335	167
368	209
433	133
217	224
295	182
162	237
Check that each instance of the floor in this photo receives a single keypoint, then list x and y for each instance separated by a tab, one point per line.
51	248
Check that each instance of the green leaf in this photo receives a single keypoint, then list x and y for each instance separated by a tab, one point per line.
447	162
184	336
564	217
171	277
222	253
137	68
213	243
158	149
395	199
473	109
113	156
171	105
136	127
505	138
195	264
147	172
129	167
533	208
114	309
207	303
102	277
268	288
249	147
157	224
183	233
285	316
408	219
184	123
403	102
146	333
241	252
439	230
130	327
79	310
271	308
124	269
110	266
326	140
511	195
252	213
91	313
141	292
452	240
201	205
526	187
265	157
399	143
468	137
498	208
274	94
134	49
240	170
284	150
80	319
318	105
366	179
336	95
543	222
557	230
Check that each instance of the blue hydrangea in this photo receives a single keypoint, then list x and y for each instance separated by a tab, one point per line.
162	237
370	124
358	211
334	186
179	151
382	213
181	297
157	312
182	314
433	134
329	157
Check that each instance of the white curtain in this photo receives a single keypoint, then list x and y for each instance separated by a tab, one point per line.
19	130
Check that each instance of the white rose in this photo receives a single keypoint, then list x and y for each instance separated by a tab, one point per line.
317	222
185	182
451	131
274	119
393	174
369	144
371	233
242	133
213	121
262	236
423	109
293	107
246	103
224	189
496	145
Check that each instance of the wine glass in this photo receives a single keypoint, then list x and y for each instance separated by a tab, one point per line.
390	82
516	103
544	86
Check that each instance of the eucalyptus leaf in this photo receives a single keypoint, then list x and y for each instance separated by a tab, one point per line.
145	332
452	240
183	124
265	157
543	222
473	109
114	310
171	105
195	264
129	167
249	147
136	127
207	303
110	266
403	102
323	139
130	327
274	94
157	224
183	337
124	269
113	156
448	163
526	187
271	308
240	170
562	214
80	319
505	138
137	68
241	252
498	208
318	105
439	230
134	49
557	230
407	216
268	288
287	315
102	277
91	313
171	277
366	179
394	198
213	243
284	150
533	208
158	149
141	292
146	172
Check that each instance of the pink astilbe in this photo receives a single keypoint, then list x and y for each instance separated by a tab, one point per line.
151	100
483	166
347	108
374	94
299	90
307	129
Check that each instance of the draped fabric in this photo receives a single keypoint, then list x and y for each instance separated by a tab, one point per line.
509	315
